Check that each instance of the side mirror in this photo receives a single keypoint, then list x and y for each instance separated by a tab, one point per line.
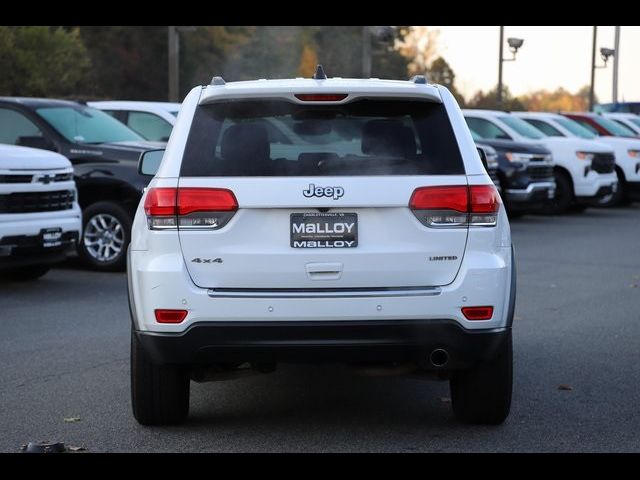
150	162
36	141
483	157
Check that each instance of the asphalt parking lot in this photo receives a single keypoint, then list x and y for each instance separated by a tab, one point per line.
64	351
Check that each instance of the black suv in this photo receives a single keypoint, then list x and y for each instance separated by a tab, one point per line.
526	175
104	153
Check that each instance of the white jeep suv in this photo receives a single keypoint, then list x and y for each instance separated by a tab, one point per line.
40	220
378	239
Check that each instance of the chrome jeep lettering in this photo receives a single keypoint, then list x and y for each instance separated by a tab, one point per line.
331	192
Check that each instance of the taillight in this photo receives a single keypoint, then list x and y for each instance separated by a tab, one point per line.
456	205
170	316
477	313
189	208
484	205
160	208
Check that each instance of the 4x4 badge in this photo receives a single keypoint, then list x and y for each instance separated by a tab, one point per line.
206	260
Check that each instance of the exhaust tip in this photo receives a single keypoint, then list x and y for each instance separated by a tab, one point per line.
439	357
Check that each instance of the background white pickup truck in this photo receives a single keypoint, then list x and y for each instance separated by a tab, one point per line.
40	219
584	169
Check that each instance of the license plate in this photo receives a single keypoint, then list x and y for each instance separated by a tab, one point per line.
51	237
324	230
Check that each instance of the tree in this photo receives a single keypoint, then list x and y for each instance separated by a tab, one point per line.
269	52
308	61
489	101
128	62
205	52
41	61
131	62
440	72
388	61
558	100
418	46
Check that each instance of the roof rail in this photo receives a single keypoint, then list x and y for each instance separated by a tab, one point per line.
419	79
217	81
319	75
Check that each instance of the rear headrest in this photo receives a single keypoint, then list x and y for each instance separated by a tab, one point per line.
245	142
387	137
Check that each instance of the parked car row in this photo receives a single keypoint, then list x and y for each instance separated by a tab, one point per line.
596	160
540	162
104	154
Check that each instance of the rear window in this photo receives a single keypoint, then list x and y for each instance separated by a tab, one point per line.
280	138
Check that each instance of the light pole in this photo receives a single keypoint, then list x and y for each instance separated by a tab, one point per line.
174	60
616	59
605	53
514	45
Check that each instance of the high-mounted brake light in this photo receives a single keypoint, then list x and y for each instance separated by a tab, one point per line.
477	313
456	205
170	316
189	208
321	97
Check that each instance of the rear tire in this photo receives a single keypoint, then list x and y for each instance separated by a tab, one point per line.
482	394
25	274
159	393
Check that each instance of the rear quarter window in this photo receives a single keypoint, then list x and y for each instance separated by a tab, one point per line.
280	138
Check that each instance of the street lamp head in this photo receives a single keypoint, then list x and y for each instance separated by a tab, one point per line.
515	44
605	53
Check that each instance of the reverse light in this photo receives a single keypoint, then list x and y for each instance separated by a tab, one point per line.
170	316
477	313
456	205
189	208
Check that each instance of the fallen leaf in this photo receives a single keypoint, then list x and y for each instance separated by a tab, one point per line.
72	419
445	399
72	448
516	317
564	386
633	285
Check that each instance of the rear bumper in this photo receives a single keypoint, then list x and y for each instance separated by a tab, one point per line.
329	341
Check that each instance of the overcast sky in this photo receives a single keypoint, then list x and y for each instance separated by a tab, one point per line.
551	57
